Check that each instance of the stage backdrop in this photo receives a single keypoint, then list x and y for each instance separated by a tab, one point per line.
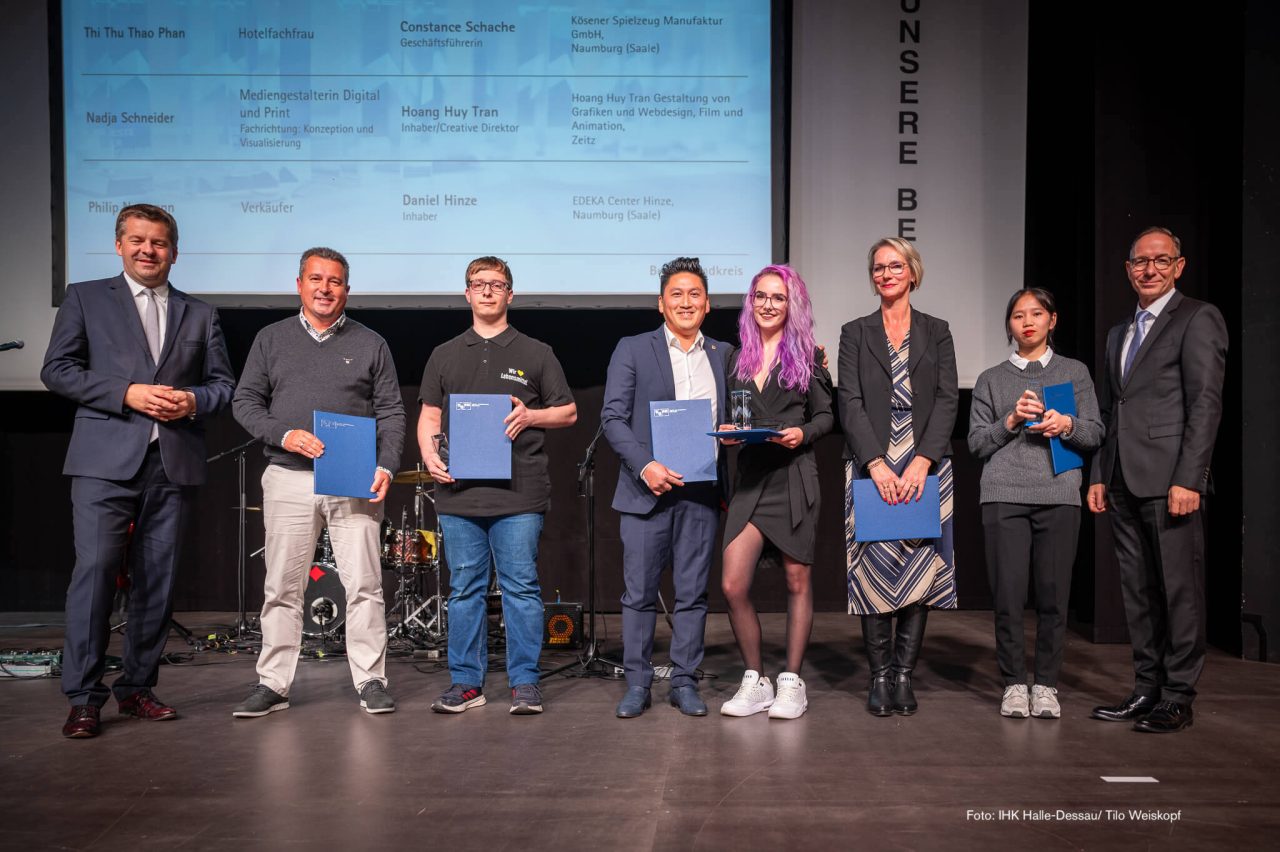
909	119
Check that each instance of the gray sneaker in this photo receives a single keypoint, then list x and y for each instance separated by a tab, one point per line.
374	698
457	698
526	699
1044	702
1014	703
261	701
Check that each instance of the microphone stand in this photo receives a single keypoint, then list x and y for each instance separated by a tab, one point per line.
590	663
242	622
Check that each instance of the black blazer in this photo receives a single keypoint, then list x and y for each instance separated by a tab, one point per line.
1163	418
780	408
866	386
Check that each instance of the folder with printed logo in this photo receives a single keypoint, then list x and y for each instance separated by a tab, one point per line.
478	444
876	520
1062	399
350	458
680	440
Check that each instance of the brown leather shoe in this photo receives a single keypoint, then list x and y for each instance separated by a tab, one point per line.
82	722
144	705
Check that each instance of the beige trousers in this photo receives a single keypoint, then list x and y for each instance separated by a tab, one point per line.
293	515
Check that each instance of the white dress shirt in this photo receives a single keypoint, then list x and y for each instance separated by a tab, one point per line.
1155	308
140	302
692	370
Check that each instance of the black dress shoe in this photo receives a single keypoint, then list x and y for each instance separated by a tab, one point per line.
1166	718
82	722
1130	710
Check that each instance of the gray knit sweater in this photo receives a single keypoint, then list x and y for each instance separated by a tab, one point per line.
1017	466
288	376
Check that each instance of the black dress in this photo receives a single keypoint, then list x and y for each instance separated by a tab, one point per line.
775	488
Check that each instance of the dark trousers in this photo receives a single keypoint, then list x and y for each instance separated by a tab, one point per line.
102	510
680	532
1162	583
1030	543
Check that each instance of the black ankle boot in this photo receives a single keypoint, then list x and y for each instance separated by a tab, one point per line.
880	695
877	634
904	699
906	651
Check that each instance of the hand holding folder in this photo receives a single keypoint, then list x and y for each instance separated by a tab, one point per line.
347	464
876	520
478	444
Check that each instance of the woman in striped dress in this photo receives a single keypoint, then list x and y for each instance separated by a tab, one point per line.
899	394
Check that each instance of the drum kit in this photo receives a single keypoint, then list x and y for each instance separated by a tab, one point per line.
418	612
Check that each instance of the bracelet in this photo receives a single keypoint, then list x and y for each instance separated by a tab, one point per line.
871	465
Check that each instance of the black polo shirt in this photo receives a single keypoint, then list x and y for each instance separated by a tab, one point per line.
510	363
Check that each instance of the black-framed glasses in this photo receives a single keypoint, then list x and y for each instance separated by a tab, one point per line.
895	268
478	286
1161	262
759	297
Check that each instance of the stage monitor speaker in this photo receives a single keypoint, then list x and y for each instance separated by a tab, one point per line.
562	626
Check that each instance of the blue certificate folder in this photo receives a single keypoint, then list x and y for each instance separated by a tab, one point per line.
876	520
350	458
478	444
680	440
1062	399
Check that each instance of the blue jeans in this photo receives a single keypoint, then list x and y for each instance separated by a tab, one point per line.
513	542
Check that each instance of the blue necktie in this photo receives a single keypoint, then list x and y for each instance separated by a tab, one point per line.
1139	323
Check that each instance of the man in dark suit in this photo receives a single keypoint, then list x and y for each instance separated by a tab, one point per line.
146	363
665	521
1161	400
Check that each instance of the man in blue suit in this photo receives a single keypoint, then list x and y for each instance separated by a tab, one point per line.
664	520
147	364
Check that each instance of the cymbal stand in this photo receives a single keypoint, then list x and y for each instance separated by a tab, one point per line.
590	663
409	599
243	628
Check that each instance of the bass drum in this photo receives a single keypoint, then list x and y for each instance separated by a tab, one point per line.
324	606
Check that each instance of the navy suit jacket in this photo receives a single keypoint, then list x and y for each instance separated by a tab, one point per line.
98	349
640	373
1162	418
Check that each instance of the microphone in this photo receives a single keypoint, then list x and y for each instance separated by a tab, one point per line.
12	344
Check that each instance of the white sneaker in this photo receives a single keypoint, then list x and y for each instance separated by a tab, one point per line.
1014	703
1044	702
755	694
792	700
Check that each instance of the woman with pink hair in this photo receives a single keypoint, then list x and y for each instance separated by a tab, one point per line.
775	497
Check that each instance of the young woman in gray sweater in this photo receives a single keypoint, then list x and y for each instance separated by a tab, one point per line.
1030	516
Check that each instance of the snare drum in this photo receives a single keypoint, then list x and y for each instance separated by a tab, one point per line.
406	547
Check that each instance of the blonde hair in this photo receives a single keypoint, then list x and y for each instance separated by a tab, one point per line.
909	254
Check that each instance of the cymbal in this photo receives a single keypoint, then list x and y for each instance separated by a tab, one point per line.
246	508
411	477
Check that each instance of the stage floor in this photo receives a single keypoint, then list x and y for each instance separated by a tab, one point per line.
325	775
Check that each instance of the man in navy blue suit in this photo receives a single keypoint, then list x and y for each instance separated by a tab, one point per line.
146	363
664	521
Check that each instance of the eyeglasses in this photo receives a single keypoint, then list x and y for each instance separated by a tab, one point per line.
478	286
895	268
1162	263
776	299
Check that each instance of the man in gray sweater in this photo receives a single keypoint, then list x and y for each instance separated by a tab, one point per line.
320	360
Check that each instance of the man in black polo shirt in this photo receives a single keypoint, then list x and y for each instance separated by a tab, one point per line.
499	518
